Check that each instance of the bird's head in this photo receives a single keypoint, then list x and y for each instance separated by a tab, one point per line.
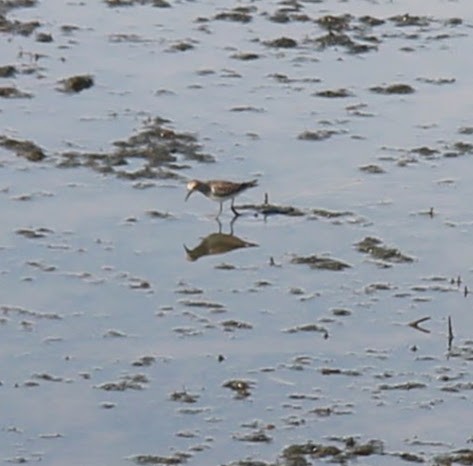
191	187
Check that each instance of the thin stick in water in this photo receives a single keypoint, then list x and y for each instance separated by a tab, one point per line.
450	333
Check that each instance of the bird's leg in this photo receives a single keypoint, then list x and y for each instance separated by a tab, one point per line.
220	210
233	208
231	224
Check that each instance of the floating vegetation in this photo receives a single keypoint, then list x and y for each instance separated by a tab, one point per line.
159	148
27	149
319	135
267	208
336	371
402	386
425	151
158	214
335	39
181	46
377	250
371	21
372	169
112	333
44	37
247	108
246	56
272	209
282	43
231	325
184	397
7	71
334	93
334	23
75	84
410	20
11	92
127	382
48	377
240	15
460	148
241	387
225	266
295	454
33	233
41	266
144	361
320	262
393	89
203	304
177	458
155	3
307	328
15	26
21	311
257	436
329	214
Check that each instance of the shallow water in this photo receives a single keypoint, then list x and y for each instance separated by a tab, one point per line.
117	348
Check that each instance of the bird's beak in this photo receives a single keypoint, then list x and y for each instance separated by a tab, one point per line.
189	193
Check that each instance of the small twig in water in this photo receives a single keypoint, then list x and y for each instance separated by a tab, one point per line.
450	333
415	324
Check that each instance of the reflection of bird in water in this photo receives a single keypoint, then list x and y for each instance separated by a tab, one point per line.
217	243
220	190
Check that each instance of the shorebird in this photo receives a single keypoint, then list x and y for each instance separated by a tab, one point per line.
220	190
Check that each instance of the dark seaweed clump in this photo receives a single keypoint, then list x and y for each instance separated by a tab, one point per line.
372	169
239	14
340	32
297	454
156	3
334	23
240	387
410	20
282	42
27	149
318	135
393	89
11	92
377	250
177	458
159	148
317	262
334	93
17	27
76	83
7	71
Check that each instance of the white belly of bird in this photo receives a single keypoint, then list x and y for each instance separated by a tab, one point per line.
221	198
